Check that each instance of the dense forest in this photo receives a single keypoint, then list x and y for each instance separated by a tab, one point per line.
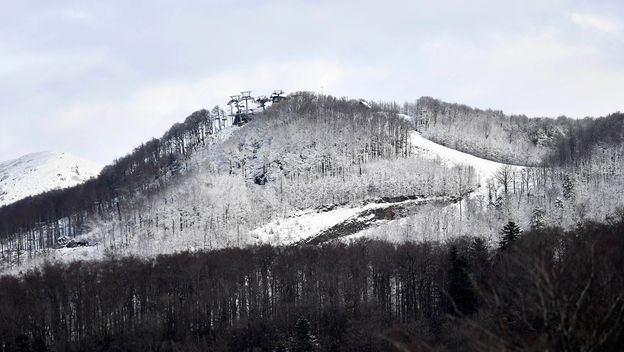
312	152
590	141
539	290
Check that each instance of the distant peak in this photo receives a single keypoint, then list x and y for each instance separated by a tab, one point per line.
42	171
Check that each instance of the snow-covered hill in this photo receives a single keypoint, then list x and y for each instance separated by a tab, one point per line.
36	173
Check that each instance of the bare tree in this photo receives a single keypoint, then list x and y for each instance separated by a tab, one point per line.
503	176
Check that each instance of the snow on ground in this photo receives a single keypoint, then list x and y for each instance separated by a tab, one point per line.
402	230
55	256
40	172
301	225
484	169
309	223
306	224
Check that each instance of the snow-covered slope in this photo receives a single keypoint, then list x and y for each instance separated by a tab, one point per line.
308	224
36	173
404	229
484	169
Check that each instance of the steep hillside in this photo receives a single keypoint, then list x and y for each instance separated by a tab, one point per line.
65	213
310	152
36	173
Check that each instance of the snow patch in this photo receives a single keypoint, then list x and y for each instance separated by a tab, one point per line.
307	224
301	225
484	169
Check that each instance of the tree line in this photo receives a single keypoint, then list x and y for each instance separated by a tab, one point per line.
539	290
588	137
515	139
490	134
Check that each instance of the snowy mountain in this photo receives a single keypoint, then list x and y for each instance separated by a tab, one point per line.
36	173
309	170
321	207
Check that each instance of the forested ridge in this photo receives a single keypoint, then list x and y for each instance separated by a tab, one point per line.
539	290
306	143
197	188
488	133
311	153
145	169
514	139
589	140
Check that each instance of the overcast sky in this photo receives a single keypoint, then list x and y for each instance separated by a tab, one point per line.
97	78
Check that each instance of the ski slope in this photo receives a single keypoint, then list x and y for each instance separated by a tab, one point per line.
395	231
306	224
425	148
40	172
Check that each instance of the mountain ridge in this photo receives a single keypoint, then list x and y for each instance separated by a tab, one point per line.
206	185
40	172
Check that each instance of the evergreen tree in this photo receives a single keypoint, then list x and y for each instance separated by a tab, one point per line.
460	290
303	340
280	347
478	258
568	187
478	250
537	219
510	234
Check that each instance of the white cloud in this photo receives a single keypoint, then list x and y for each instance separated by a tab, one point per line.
538	74
595	22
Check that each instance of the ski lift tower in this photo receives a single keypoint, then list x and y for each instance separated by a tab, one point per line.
234	100
261	101
234	103
277	96
246	96
241	103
